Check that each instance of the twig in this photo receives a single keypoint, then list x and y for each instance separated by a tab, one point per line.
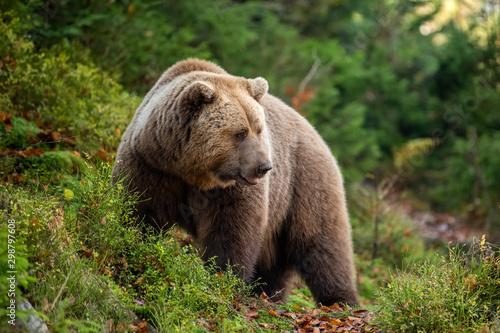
310	75
479	180
61	290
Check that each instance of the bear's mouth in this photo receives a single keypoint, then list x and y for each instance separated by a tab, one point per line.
226	178
250	181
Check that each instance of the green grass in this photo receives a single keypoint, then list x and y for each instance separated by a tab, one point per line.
460	293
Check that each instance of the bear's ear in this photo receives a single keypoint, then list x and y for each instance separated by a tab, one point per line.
258	88
199	93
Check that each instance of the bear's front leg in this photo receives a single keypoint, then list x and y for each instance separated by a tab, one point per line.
230	227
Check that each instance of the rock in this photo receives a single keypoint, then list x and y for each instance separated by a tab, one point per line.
33	322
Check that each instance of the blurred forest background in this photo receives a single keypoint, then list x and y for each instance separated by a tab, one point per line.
405	93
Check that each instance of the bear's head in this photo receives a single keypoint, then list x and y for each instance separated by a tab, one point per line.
217	130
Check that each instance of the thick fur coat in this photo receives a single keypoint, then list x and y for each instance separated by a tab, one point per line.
246	175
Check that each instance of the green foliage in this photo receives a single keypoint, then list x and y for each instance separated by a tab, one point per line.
17	137
457	294
341	126
63	324
152	30
55	161
76	98
413	150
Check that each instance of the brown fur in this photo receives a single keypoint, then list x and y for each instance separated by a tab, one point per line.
197	142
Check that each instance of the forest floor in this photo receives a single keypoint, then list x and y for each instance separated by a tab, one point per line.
434	226
446	227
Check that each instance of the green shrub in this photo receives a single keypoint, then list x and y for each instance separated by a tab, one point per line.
73	98
457	294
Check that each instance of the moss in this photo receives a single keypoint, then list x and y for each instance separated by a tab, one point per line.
55	161
17	137
300	298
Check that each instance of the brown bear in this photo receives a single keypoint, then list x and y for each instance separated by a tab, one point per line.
246	175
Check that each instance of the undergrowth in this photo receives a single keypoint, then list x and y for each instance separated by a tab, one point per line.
458	293
384	237
61	99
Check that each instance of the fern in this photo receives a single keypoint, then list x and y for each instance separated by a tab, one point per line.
413	149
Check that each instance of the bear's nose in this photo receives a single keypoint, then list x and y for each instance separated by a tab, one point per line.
264	168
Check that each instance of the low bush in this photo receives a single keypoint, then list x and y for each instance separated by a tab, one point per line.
62	95
459	293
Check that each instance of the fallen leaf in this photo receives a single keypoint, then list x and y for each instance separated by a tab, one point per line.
289	315
18	178
109	325
45	305
139	302
273	313
252	314
336	322
56	136
302	321
360	312
102	154
4	116
314	322
107	271
270	326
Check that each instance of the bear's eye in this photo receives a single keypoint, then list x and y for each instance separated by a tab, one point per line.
241	134
259	131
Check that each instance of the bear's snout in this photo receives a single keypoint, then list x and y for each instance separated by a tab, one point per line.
264	168
253	176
